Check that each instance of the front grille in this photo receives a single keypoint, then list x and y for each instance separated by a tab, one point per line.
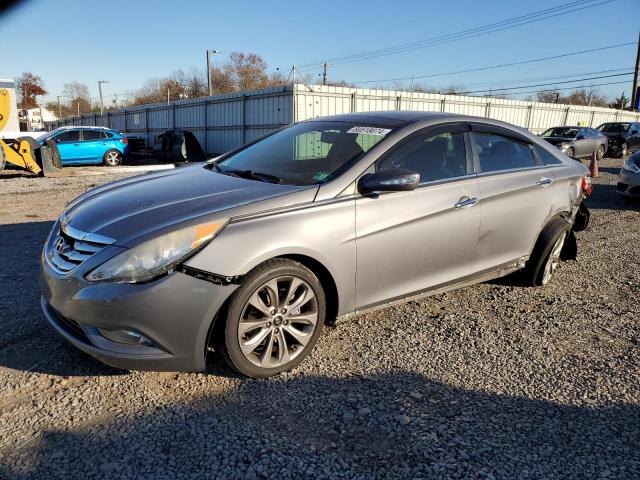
71	247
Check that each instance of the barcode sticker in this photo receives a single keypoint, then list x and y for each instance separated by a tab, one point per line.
380	132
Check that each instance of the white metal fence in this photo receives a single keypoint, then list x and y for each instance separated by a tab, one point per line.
224	122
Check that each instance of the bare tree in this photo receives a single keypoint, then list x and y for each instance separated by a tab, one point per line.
29	87
78	97
582	96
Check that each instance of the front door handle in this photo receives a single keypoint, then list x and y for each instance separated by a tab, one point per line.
466	202
544	181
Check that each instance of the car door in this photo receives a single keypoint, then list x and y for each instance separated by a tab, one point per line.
92	146
516	195
634	136
407	242
68	143
583	143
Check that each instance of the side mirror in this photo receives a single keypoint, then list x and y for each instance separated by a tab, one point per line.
392	180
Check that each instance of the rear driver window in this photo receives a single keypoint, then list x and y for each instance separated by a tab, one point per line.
497	152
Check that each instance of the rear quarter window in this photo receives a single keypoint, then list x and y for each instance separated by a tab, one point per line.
546	157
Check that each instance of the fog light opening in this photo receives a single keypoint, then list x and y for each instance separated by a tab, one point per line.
128	337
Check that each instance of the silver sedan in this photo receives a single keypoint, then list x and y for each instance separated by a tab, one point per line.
252	253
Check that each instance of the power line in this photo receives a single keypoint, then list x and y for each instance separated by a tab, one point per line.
532	79
502	65
533	17
548	84
591	85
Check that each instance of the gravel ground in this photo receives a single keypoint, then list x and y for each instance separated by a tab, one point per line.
492	381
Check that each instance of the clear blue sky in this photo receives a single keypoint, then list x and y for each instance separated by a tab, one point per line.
128	42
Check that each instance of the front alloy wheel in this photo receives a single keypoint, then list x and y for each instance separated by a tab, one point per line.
278	321
273	319
600	152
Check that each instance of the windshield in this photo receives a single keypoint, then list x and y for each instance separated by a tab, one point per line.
561	132
304	154
614	127
49	134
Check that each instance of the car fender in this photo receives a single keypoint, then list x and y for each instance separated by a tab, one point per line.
323	232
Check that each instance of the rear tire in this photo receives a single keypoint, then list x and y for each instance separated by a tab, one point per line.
570	152
546	254
112	158
266	333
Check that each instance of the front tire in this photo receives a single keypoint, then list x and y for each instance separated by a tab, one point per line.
112	158
546	254
570	152
273	320
600	152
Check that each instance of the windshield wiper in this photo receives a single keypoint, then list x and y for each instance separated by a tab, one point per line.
250	174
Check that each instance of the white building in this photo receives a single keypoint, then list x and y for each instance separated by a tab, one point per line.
33	119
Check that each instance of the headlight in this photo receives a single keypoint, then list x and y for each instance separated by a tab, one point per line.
630	166
155	257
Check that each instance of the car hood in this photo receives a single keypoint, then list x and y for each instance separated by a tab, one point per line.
612	134
558	140
132	209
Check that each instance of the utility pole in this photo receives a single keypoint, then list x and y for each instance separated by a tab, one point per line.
324	73
100	82
59	108
209	55
634	93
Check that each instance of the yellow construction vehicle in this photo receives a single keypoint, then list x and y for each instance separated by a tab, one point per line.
25	152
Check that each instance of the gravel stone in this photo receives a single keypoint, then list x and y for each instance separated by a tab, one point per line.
494	381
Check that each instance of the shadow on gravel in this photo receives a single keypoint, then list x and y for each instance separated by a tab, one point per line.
27	343
392	425
606	197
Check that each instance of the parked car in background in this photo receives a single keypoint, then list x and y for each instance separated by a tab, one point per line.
629	180
251	253
624	137
88	145
577	141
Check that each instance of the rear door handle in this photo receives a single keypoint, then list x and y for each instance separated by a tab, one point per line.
466	202
544	181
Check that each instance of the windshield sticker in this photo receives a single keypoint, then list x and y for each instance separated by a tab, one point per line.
380	132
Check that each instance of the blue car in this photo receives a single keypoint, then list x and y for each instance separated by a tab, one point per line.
88	145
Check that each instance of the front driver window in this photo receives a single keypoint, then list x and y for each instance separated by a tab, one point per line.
434	157
68	136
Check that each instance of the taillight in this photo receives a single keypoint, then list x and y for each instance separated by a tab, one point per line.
587	187
124	140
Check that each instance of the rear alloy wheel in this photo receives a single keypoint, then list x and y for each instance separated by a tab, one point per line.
112	158
553	259
600	152
273	320
546	254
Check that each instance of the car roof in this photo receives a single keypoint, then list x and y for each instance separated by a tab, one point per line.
89	127
393	118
